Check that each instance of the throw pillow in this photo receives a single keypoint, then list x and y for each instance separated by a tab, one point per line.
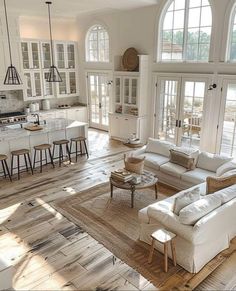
226	194
186	198
160	147
191	152
181	159
216	184
211	162
225	168
192	213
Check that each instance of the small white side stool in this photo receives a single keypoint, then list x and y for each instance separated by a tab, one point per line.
6	274
164	237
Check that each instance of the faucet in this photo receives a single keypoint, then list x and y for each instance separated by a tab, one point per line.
37	118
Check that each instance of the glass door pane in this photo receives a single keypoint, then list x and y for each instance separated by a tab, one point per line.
117	92
37	82
192	110
94	99
72	82
46	55
60	55
126	90
134	91
228	136
29	91
48	91
104	100
62	85
71	56
25	55
167	110
35	55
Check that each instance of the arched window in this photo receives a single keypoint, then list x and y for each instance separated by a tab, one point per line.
185	33
232	37
97	44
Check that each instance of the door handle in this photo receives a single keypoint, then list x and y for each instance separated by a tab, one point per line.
180	123
176	123
100	105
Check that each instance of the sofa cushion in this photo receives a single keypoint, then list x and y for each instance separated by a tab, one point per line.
211	162
226	194
173	169
160	147
196	176
181	159
190	214
154	161
218	183
225	168
191	152
186	198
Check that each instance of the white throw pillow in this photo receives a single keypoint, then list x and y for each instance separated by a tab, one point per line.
225	168
160	147
191	152
226	194
192	213
186	198
211	162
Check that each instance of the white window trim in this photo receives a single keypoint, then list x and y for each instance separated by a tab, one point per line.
159	34
229	34
87	47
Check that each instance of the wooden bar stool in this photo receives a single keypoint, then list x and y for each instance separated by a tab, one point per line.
6	172
18	153
79	139
43	148
164	237
60	143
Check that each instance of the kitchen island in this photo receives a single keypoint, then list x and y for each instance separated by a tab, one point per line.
15	138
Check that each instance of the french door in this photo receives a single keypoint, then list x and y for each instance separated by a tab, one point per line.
180	109
99	99
227	119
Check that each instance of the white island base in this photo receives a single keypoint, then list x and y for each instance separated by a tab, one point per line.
15	138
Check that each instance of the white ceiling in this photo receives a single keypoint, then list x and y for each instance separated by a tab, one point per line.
73	8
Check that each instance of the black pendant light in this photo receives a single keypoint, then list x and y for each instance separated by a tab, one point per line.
54	75
12	76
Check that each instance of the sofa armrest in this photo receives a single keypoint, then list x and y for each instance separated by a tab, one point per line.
138	152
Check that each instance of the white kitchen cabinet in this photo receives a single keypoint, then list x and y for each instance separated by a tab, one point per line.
123	126
45	50
60	113
33	85
69	85
79	114
30	55
65	55
47	116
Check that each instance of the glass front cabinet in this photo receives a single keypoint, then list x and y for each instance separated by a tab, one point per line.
36	61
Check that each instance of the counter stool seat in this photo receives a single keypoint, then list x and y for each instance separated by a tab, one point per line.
60	143
18	153
43	148
79	139
6	172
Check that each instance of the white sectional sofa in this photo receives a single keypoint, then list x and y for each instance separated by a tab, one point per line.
197	243
157	160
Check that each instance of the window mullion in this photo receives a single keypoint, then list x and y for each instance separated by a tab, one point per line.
186	14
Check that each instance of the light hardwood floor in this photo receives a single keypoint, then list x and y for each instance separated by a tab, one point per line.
48	251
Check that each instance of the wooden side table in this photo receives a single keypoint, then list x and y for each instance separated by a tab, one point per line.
164	237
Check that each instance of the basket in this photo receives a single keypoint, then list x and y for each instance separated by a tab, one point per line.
134	165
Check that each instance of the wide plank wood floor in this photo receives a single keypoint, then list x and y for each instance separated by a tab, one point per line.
47	250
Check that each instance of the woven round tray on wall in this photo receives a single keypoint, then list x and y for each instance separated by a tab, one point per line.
130	59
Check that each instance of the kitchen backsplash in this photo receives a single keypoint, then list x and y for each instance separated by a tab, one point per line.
13	101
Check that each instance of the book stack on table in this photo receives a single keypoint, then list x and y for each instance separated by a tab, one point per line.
122	175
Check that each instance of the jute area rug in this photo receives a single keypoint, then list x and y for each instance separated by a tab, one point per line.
114	223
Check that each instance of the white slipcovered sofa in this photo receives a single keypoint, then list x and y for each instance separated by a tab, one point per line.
157	160
197	243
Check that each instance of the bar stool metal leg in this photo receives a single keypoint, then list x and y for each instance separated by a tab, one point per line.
41	161
4	171
76	150
68	152
7	170
34	159
86	150
51	157
31	168
26	165
18	166
12	160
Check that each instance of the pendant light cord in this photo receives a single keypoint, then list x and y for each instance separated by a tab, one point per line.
50	29
8	36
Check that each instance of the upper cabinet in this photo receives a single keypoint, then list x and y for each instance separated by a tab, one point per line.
36	61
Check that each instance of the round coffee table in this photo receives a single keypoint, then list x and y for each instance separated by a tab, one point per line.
148	179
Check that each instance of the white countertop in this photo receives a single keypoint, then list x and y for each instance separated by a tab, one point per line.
14	132
57	108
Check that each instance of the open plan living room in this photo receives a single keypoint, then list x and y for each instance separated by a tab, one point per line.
118	145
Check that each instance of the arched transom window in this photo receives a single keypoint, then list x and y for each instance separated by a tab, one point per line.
97	44
232	37
186	31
